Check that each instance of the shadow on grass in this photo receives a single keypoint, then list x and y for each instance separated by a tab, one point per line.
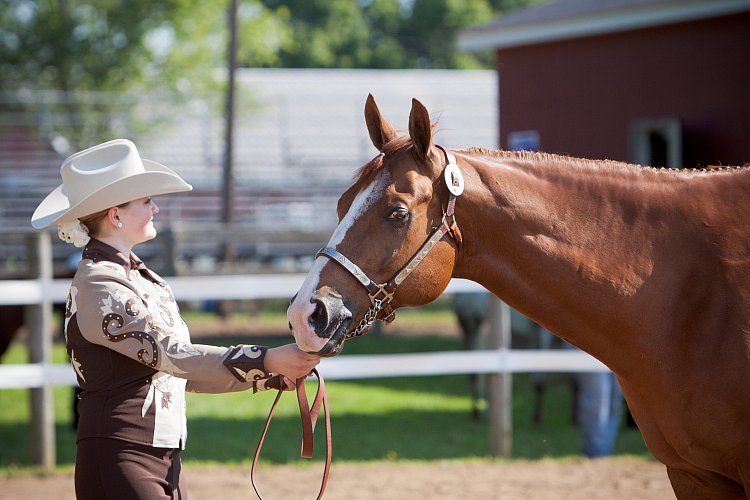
360	431
402	435
410	434
14	444
406	435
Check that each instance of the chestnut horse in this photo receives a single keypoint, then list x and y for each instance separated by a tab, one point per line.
646	269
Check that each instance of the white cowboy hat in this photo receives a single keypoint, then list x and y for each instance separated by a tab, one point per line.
101	177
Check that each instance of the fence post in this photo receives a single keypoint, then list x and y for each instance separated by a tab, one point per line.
39	322
500	385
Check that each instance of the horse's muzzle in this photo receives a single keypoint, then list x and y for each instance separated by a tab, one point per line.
330	320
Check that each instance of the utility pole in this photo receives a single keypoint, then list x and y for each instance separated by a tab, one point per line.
227	207
227	215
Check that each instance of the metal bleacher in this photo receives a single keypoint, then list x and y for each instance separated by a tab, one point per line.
299	138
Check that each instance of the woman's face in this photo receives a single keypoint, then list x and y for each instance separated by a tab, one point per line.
136	218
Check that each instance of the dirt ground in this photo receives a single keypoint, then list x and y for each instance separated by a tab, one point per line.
617	478
614	478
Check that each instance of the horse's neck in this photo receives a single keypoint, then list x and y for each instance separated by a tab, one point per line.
567	245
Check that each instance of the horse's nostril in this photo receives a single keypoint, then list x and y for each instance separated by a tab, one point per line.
319	318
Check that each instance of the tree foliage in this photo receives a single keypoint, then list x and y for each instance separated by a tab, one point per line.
371	34
173	48
85	66
114	45
76	44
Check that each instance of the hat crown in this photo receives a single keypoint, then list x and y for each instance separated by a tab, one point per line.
104	176
96	167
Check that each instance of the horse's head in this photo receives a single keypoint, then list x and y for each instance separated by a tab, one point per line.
377	260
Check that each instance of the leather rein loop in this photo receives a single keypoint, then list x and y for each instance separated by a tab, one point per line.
309	415
381	295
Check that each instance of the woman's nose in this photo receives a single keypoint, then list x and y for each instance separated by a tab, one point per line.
154	207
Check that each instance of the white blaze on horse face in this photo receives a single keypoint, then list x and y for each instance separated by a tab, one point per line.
301	309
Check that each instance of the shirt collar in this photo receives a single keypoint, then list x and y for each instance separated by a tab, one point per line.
97	251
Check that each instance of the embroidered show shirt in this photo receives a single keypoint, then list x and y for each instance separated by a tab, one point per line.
132	354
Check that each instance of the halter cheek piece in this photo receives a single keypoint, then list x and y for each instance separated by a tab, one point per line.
381	295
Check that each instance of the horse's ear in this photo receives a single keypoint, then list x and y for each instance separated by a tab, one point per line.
420	128
380	130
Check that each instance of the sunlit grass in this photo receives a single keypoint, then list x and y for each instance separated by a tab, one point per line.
417	418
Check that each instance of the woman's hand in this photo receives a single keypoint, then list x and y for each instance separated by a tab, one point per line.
290	361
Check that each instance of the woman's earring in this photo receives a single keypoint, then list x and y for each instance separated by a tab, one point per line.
119	224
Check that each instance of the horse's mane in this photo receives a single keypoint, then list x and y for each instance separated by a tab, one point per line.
367	171
542	157
550	157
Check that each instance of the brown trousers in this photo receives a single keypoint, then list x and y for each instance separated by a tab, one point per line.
110	469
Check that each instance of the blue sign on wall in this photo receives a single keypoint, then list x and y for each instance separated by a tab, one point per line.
523	140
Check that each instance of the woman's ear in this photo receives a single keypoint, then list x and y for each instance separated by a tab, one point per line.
113	216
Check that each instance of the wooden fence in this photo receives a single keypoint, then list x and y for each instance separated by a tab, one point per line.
498	362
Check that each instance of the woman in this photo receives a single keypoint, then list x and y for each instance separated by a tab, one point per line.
129	346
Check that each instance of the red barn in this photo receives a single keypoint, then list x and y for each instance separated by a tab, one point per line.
659	82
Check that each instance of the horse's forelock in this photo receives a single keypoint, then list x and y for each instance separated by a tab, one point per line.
367	171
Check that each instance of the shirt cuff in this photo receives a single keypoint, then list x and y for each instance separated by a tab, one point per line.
245	362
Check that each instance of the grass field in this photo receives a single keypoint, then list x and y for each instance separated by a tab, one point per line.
420	418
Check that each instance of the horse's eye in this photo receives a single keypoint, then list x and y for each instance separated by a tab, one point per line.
398	213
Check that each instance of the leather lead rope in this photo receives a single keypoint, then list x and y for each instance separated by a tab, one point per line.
309	415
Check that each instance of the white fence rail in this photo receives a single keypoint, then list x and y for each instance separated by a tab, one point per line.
35	375
214	287
499	361
269	286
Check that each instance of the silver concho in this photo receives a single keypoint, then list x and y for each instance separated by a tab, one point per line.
453	179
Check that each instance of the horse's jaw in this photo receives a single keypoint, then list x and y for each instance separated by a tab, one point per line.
333	347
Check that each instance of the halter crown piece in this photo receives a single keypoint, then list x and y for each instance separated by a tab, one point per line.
381	295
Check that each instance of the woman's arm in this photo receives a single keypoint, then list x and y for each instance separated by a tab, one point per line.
108	311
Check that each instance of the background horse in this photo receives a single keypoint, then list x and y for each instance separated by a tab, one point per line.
647	270
472	311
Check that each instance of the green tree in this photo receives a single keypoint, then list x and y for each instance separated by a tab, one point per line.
365	33
77	44
433	26
386	19
318	34
96	60
108	65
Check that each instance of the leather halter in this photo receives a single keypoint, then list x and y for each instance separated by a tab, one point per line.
381	295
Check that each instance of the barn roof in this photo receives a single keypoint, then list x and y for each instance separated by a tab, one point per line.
565	19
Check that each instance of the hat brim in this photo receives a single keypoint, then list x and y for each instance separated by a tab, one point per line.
157	179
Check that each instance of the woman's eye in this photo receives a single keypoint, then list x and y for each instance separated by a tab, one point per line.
398	213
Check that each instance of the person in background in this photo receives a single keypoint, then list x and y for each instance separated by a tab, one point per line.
599	409
128	344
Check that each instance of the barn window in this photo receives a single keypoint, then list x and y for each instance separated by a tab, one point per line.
656	142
